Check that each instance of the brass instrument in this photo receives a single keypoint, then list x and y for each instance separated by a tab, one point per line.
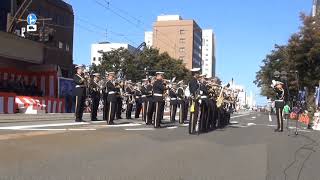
220	98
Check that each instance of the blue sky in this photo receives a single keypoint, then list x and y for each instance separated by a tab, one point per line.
246	30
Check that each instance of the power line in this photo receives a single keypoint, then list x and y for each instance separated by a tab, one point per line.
132	23
107	30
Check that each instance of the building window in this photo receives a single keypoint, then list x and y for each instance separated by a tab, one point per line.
60	45
181	58
99	58
182	40
67	48
182	31
182	49
94	58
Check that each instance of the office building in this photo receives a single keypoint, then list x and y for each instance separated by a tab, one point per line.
58	51
97	49
148	38
316	8
181	39
208	53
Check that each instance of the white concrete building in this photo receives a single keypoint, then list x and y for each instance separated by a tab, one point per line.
208	53
148	38
96	56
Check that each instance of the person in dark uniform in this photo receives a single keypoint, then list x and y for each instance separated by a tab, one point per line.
138	100
194	92
144	100
173	102
111	99
104	97
279	103
158	91
130	99
119	100
150	102
204	96
181	102
212	106
95	96
79	92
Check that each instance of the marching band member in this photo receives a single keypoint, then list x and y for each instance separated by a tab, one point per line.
111	98
130	99
138	100
150	102
79	92
194	111
279	103
173	102
158	91
181	103
105	97
119	100
204	93
144	99
95	96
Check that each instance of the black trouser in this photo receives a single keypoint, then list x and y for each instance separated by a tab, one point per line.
138	109
162	105
279	118
194	116
173	111
105	107
129	110
111	109
186	108
220	117
182	107
204	115
158	113
144	110
94	107
119	108
211	123
150	110
80	101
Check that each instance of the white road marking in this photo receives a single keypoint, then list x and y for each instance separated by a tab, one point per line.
253	117
270	125
251	124
234	122
33	129
237	125
270	118
184	125
141	129
42	125
173	127
239	116
123	125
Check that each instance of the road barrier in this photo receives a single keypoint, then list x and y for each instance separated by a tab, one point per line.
7	103
38	105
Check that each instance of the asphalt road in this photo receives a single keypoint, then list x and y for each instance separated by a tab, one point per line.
58	148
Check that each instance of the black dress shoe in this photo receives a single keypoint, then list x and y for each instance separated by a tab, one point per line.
111	123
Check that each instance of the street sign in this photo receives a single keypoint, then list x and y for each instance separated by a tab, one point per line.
31	28
23	30
32	19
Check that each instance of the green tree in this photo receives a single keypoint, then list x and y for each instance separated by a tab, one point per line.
301	54
149	60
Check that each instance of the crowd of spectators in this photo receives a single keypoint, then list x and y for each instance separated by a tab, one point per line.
17	85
